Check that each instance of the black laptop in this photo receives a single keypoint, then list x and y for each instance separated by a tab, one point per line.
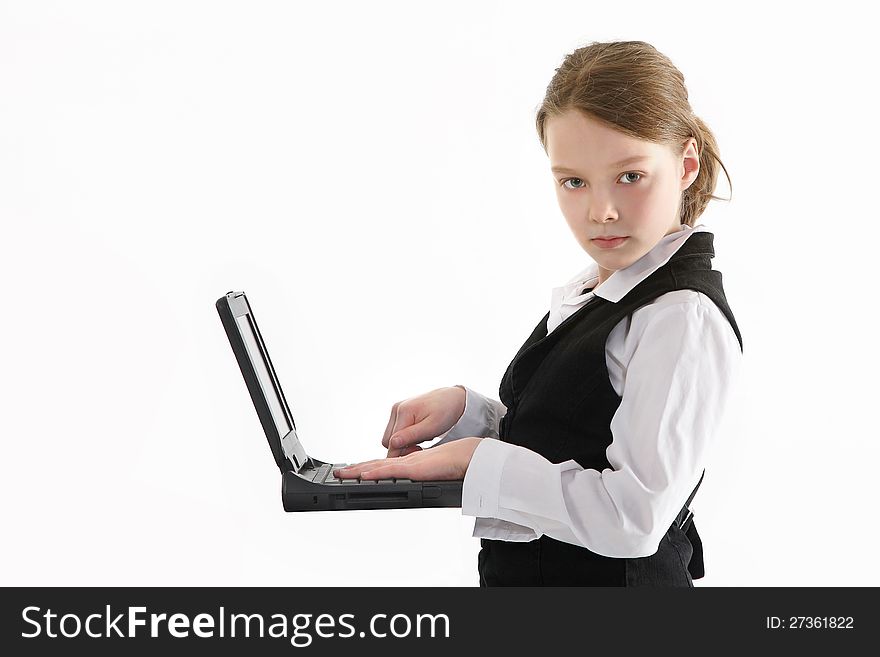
307	483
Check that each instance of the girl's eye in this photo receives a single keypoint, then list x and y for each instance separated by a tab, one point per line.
628	173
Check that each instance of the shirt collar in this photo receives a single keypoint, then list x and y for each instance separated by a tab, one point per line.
623	280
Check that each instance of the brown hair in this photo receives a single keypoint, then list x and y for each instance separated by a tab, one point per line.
635	89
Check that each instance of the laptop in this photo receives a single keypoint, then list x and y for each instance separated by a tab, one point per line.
307	483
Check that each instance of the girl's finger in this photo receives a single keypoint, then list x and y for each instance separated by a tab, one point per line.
355	467
382	472
400	468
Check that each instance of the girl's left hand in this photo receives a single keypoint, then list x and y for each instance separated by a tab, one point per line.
448	461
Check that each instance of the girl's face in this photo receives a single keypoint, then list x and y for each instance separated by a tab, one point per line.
600	195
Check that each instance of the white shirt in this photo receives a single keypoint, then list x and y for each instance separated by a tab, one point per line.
674	362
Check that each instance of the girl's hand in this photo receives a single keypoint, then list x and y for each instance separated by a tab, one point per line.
443	462
422	418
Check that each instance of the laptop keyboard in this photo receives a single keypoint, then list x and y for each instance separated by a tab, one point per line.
324	475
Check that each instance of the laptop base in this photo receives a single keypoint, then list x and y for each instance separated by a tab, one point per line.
299	494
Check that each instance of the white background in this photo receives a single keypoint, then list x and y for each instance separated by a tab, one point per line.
370	174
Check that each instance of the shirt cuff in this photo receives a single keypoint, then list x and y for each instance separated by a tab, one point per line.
493	488
480	418
482	480
497	410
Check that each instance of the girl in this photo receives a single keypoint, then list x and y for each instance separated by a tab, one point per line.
609	408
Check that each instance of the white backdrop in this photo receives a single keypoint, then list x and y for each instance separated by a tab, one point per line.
369	173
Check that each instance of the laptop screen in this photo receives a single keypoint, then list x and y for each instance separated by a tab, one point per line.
271	397
245	327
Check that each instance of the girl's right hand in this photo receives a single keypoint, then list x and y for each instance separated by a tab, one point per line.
422	418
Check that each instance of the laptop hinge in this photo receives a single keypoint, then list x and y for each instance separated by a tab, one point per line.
288	446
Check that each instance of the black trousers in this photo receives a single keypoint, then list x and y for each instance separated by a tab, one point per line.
548	562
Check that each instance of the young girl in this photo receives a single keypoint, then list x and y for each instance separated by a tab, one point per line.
609	408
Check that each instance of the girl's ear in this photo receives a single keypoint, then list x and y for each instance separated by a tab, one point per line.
690	163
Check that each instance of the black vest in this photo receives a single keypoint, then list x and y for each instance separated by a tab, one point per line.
560	403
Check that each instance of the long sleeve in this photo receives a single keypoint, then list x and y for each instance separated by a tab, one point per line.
481	417
679	364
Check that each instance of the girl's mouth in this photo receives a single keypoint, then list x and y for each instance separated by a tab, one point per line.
609	244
